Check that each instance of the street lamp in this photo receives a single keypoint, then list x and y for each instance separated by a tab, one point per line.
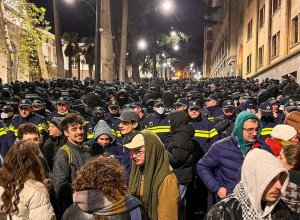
142	44
165	6
176	47
98	30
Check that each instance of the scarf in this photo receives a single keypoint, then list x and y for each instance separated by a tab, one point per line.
155	170
95	202
238	130
248	211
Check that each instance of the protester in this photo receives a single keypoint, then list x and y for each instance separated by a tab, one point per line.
257	195
220	166
100	192
152	179
23	193
69	158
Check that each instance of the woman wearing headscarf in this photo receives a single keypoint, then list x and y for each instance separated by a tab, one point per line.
152	179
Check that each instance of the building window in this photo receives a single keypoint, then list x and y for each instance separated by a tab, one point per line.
261	55
275	45
74	64
295	30
275	5
249	63
249	35
261	16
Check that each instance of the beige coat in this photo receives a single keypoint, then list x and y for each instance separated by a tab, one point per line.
34	202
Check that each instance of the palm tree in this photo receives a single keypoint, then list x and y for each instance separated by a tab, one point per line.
108	65
122	64
58	43
88	51
72	49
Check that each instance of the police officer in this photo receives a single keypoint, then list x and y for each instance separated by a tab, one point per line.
181	104
159	122
63	105
266	116
205	132
26	114
137	107
111	119
212	109
97	115
225	123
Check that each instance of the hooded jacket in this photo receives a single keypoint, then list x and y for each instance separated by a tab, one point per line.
181	149
113	148
258	171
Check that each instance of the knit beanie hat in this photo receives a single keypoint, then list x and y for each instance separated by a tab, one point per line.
293	119
283	132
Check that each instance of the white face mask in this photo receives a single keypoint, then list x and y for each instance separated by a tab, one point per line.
4	115
160	110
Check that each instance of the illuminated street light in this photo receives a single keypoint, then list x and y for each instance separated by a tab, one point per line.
173	33
176	47
142	44
167	6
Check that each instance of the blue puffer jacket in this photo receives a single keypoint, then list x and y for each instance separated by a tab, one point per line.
220	166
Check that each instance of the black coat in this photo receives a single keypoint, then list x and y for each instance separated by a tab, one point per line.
181	150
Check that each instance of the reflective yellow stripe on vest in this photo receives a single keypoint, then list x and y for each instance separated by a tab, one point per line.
160	129
202	134
213	132
3	131
266	131
90	136
13	129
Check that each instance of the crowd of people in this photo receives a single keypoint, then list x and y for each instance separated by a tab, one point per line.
223	148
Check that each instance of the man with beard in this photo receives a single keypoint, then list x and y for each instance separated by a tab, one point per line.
26	115
159	122
69	158
225	123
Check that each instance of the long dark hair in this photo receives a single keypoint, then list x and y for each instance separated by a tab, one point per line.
21	163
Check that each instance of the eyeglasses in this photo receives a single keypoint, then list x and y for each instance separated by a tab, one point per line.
137	152
251	130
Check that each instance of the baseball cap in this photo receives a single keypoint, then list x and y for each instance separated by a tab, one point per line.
37	103
266	109
113	103
212	98
181	101
291	105
128	115
194	105
136	104
159	101
25	103
228	104
98	109
137	141
63	100
272	100
7	108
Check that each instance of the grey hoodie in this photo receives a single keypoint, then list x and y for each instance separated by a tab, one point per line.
258	170
102	128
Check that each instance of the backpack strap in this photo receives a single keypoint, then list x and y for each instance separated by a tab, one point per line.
68	151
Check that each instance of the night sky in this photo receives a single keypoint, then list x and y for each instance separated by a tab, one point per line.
79	17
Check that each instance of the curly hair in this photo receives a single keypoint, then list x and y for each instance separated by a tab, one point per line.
70	119
292	155
28	128
103	173
21	161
